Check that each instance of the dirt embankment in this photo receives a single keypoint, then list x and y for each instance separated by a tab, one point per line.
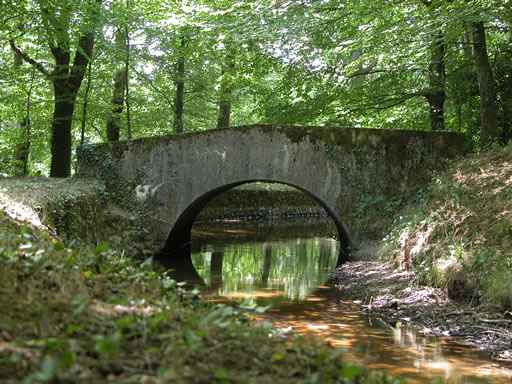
448	260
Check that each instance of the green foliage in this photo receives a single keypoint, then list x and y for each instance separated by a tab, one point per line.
338	62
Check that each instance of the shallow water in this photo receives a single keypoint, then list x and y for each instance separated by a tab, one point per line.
286	266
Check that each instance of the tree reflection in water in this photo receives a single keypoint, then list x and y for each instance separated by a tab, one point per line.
290	274
293	268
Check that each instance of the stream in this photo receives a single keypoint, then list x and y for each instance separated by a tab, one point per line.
286	265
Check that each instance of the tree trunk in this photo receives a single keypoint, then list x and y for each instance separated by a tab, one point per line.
127	82
487	88
86	102
180	89
467	46
28	133
23	149
113	120
66	81
61	128
224	108
436	95
225	94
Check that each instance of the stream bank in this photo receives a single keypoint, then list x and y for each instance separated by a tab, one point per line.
446	263
394	296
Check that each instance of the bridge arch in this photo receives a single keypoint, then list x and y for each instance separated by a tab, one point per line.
179	236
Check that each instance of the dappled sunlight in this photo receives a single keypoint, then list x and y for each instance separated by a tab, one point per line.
236	231
314	299
506	184
19	212
403	351
114	311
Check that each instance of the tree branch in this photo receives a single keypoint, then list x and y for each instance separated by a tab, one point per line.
82	57
383	102
163	94
40	67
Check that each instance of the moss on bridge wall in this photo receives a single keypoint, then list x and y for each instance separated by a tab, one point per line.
344	137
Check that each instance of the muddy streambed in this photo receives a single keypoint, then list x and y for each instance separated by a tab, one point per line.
286	266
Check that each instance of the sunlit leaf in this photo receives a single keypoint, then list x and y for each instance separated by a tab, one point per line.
278	356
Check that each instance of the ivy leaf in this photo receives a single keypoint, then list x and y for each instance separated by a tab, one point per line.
58	246
102	248
350	371
222	374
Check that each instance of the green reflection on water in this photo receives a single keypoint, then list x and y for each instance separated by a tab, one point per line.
288	269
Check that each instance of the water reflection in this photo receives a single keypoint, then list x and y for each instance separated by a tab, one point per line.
290	274
289	270
400	350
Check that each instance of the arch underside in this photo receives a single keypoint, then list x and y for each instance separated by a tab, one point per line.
178	241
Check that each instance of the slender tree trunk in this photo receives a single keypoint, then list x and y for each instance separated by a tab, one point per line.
487	88
28	132
467	46
114	119
180	89
127	84
23	148
224	108
225	94
436	95
28	126
85	104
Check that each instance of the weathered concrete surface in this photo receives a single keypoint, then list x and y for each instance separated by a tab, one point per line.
177	175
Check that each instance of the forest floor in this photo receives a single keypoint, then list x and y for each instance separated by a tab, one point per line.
446	263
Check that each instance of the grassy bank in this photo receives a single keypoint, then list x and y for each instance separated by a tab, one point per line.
460	235
73	314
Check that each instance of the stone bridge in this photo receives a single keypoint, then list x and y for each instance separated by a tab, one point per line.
176	175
